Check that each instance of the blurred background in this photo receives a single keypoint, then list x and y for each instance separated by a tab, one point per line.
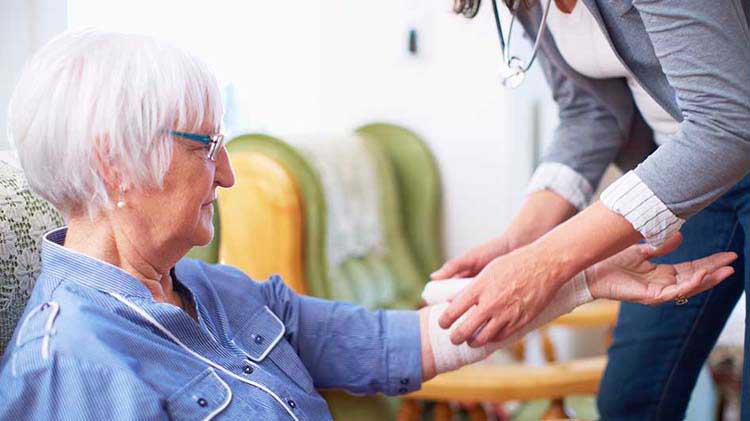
302	70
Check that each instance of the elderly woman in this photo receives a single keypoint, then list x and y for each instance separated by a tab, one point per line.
121	133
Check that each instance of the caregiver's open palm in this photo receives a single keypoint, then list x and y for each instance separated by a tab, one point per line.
630	276
511	291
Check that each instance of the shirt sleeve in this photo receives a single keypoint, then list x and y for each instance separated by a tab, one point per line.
562	180
703	51
348	347
591	130
62	389
631	198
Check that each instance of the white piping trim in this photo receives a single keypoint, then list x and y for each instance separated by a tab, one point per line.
172	337
274	342
47	330
226	402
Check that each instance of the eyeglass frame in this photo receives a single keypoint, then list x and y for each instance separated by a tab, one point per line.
213	141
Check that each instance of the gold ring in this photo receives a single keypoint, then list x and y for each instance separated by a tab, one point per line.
681	300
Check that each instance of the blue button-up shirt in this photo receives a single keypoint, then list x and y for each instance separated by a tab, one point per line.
93	344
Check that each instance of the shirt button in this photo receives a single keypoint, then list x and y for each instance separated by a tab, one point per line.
404	381
259	339
291	403
248	369
202	402
402	390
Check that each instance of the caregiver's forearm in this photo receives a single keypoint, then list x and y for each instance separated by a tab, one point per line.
542	211
589	237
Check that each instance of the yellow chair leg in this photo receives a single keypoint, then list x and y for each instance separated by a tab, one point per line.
477	413
442	412
409	410
556	411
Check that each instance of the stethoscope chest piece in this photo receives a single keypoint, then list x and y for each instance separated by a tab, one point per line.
514	74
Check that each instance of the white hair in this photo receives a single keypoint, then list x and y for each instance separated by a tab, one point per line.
91	99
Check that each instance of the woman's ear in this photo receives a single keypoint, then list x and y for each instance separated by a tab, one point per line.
104	166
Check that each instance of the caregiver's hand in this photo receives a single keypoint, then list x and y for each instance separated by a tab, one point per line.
629	276
541	212
626	276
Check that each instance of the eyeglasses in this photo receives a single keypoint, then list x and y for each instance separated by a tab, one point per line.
214	142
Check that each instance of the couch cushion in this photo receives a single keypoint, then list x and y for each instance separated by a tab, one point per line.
24	218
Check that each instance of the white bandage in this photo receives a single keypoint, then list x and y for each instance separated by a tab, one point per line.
450	357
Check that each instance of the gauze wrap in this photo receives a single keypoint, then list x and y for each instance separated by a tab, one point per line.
450	357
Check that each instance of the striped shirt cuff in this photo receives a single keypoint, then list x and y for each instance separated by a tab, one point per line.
631	198
562	180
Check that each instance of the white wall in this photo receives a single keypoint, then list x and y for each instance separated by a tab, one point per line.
24	26
449	93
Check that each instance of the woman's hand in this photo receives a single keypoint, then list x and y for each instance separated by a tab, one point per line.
629	276
541	212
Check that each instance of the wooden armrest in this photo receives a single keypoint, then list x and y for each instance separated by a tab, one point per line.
595	313
497	383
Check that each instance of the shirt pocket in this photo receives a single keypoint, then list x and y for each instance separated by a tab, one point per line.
202	398
262	337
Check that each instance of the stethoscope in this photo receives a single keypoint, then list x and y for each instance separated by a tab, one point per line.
515	69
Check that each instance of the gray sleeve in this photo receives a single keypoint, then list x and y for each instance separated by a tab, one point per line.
589	135
704	50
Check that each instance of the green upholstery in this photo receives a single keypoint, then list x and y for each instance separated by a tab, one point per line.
210	252
24	218
316	268
419	190
390	279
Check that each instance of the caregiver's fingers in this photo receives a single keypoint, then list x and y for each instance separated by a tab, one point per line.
486	333
699	282
670	245
459	305
468	327
711	280
710	263
450	269
674	291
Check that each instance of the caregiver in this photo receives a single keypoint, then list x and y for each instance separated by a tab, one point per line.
661	88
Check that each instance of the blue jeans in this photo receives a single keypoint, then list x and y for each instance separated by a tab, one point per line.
657	352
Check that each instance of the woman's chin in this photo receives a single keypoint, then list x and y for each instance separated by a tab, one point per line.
203	235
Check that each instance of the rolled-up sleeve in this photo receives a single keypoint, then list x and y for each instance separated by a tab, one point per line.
562	180
704	50
348	347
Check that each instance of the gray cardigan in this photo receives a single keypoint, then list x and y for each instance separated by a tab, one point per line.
693	58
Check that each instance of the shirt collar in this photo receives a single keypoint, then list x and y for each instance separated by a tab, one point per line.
64	263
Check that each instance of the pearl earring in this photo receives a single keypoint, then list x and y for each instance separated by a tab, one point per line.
121	201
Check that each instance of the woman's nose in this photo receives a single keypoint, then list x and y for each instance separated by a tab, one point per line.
224	174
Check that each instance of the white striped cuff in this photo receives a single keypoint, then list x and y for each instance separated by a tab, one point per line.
562	180
631	198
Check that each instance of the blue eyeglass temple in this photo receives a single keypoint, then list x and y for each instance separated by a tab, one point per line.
205	139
